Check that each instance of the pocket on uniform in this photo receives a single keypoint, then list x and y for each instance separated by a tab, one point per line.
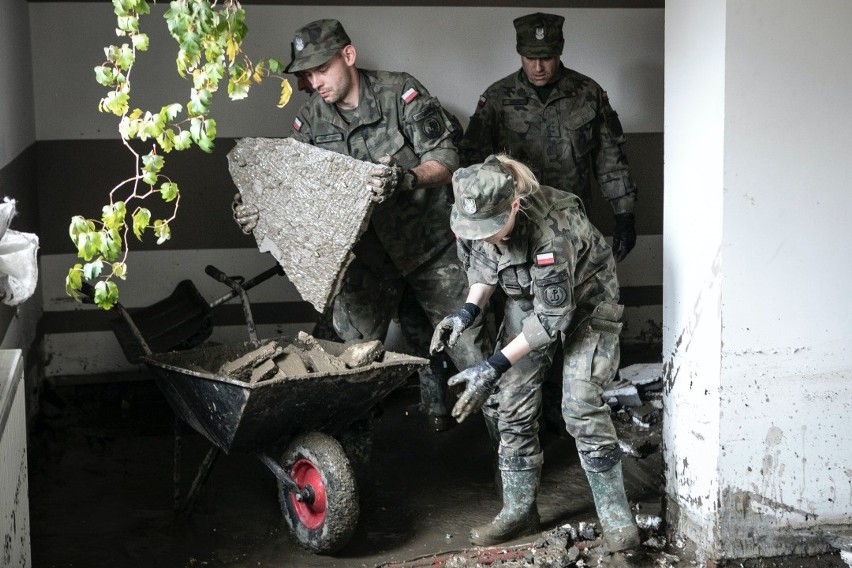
580	130
516	121
394	145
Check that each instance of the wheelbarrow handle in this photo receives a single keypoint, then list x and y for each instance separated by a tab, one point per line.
238	290
247	285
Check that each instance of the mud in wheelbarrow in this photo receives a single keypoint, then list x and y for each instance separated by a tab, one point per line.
306	413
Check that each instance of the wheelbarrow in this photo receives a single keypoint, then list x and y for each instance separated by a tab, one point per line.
306	413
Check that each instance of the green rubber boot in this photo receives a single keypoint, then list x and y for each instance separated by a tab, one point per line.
519	515
494	437
617	522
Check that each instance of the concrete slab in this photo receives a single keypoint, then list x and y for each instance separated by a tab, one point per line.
314	205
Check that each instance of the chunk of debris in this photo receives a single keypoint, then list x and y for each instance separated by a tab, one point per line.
624	392
241	368
317	358
265	370
646	414
314	204
646	377
649	522
290	362
362	354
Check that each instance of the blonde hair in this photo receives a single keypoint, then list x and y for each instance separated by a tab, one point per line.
525	181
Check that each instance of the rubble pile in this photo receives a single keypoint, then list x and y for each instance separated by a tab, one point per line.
566	546
299	358
636	400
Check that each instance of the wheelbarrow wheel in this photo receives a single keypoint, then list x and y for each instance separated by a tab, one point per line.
325	521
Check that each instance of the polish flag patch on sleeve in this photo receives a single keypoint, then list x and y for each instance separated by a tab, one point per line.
410	95
297	124
481	102
544	259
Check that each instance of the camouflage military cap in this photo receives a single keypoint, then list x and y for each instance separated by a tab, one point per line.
540	35
484	194
315	44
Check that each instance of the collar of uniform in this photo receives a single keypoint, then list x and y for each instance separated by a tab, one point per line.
565	86
368	106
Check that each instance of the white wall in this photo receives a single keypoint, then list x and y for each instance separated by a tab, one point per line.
17	117
757	309
692	237
456	55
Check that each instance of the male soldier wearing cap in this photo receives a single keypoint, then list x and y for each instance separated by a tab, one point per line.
390	119
558	274
559	123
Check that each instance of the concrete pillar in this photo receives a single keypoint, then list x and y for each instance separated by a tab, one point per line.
757	314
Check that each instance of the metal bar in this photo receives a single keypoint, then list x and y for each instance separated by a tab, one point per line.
281	474
249	284
237	288
176	476
200	479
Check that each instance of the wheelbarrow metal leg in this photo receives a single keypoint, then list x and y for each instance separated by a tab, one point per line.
176	475
200	480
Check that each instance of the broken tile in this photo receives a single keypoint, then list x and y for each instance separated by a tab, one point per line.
624	391
362	354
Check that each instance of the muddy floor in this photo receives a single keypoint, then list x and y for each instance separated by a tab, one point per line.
101	483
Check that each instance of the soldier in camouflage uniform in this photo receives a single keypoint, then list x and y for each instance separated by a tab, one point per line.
558	122
390	119
558	274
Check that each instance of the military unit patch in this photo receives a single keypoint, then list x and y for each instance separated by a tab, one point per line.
410	95
431	128
554	295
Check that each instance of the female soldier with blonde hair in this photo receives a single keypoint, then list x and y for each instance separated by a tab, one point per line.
558	274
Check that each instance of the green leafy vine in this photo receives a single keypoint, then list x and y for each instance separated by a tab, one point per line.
210	37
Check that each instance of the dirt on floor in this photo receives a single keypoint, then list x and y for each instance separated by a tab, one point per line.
102	494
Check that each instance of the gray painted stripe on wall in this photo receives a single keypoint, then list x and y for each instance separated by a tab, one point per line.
75	177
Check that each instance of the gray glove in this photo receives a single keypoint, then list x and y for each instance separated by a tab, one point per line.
481	382
447	332
386	180
246	216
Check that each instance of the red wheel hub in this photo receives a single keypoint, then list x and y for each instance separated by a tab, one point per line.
312	515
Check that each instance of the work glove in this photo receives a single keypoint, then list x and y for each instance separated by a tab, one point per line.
624	236
481	382
246	216
448	331
388	178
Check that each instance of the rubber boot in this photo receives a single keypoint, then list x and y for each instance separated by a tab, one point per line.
617	522
433	396
519	516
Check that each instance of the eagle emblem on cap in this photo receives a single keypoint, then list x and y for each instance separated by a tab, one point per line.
469	205
539	33
299	44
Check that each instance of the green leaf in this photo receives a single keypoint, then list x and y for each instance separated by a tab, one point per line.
166	140
93	269
105	75
119	269
128	24
74	281
170	112
106	294
141	219
238	87
115	103
87	245
152	162
275	65
140	41
79	224
169	191
110	244
162	231
183	140
113	215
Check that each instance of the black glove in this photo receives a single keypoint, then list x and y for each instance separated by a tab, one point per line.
386	180
481	381
447	332
246	216
624	236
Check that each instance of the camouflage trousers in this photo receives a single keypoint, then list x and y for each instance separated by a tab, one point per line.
372	294
591	358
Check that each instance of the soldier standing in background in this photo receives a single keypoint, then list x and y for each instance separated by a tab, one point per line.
388	118
559	123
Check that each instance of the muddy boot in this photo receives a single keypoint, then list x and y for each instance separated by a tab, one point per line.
519	516
433	397
617	522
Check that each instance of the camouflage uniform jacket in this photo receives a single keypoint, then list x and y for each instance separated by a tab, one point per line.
556	265
574	133
397	117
